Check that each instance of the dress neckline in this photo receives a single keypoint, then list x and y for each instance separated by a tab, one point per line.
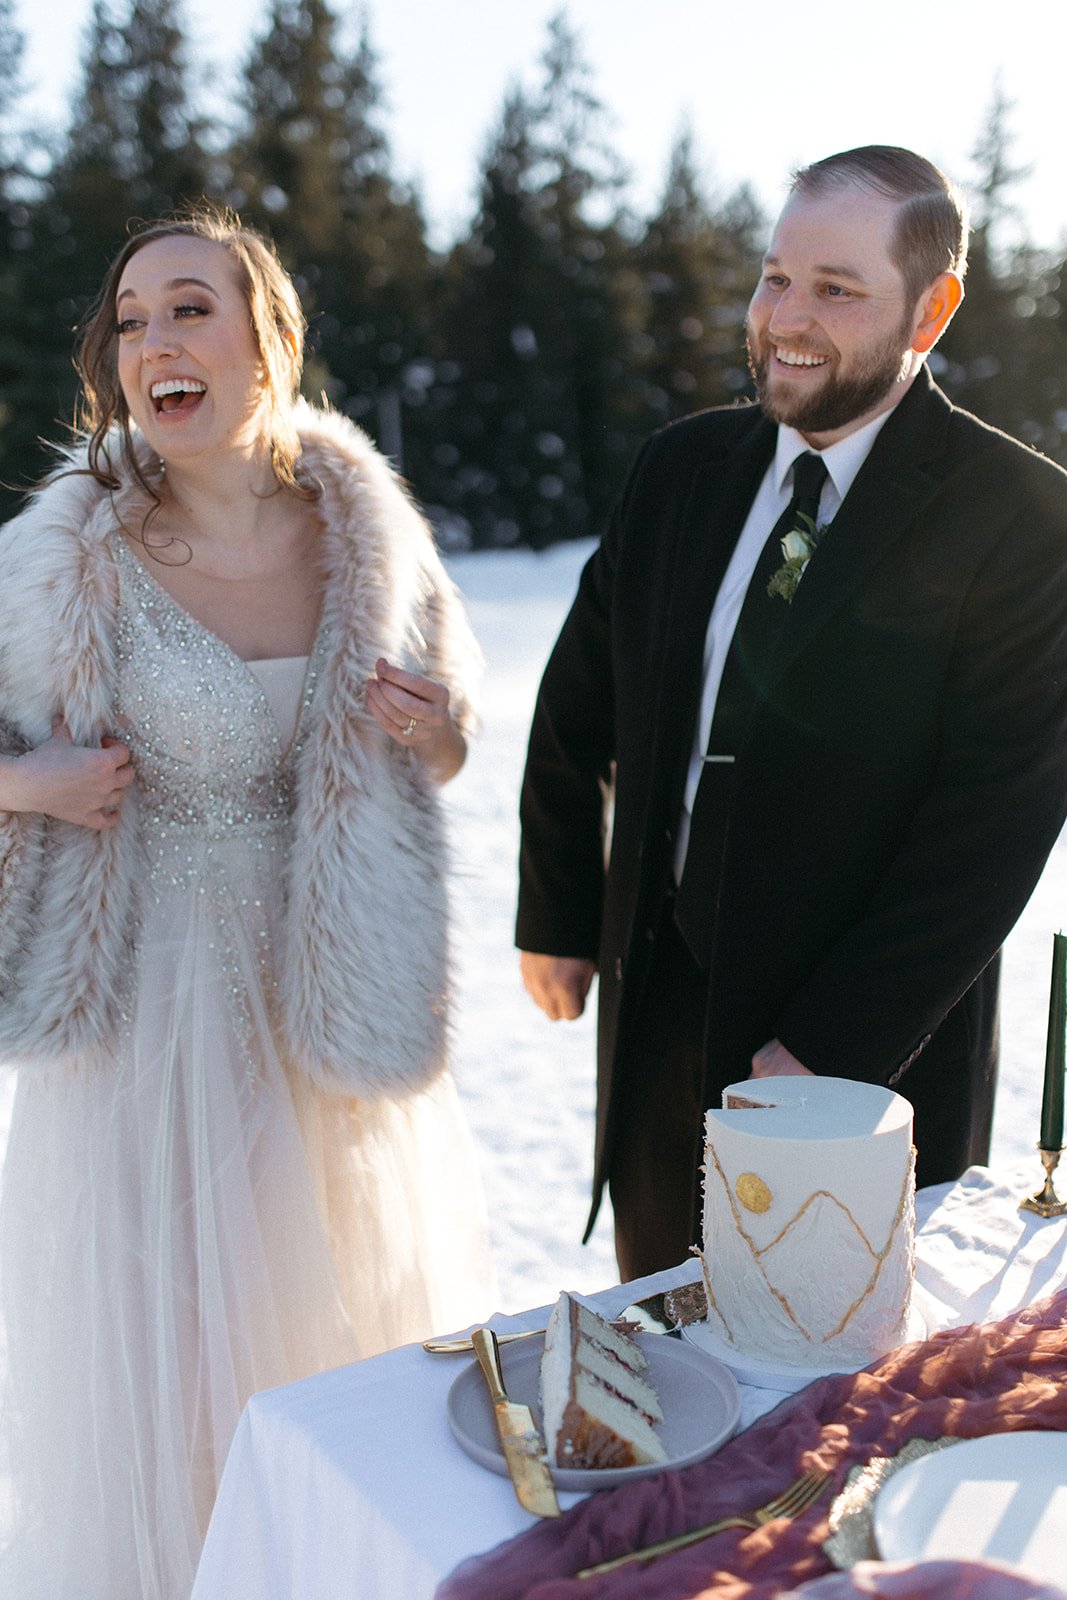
191	616
247	668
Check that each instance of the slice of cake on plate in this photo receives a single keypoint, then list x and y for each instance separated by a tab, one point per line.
598	1408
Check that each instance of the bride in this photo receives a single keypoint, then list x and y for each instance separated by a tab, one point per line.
232	675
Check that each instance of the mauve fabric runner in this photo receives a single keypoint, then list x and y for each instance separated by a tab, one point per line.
998	1377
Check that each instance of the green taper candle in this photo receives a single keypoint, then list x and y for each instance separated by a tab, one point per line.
1055	1049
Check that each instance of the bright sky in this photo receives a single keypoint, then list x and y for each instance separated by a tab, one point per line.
765	87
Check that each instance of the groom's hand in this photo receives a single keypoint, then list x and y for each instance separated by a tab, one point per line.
773	1060
558	984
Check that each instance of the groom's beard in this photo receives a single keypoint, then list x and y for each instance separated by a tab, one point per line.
840	398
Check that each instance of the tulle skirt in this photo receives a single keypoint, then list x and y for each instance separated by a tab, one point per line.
187	1224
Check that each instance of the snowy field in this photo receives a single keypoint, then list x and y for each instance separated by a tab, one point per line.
528	1084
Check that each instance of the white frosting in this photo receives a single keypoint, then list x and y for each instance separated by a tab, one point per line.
809	1220
555	1376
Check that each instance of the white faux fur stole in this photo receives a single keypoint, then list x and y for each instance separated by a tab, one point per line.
365	980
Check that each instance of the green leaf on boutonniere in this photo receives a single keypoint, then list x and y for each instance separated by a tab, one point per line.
798	547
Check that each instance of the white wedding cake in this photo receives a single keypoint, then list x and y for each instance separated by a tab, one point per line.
809	1220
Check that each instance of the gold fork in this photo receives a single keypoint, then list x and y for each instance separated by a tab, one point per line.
789	1504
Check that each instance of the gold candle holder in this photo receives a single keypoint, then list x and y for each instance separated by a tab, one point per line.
1047	1203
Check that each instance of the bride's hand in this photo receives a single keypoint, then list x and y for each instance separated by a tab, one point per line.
413	710
68	781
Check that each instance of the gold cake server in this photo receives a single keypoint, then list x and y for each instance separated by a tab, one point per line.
523	1448
657	1313
668	1311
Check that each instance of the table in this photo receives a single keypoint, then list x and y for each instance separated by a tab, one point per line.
349	1486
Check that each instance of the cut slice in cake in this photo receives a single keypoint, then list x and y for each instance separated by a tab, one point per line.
598	1407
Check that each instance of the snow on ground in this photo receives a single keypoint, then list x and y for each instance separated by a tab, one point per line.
528	1084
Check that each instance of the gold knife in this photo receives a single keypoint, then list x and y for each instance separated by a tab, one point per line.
523	1449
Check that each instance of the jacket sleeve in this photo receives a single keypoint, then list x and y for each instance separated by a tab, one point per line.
976	845
569	765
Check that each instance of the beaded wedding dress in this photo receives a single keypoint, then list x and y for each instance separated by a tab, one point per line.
192	1221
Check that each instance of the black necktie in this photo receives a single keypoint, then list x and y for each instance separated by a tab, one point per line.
744	677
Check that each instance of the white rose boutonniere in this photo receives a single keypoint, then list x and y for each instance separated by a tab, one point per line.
798	547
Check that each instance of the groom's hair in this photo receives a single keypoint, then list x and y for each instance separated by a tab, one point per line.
932	225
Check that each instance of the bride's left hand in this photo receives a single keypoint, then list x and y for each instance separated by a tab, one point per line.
414	711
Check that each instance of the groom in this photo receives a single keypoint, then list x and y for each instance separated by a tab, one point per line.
832	794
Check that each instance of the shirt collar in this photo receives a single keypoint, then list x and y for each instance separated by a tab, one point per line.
843	459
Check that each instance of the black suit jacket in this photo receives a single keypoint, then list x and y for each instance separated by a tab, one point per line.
904	778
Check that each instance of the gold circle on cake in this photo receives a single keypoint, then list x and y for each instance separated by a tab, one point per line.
753	1193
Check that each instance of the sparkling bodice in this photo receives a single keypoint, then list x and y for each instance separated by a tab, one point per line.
204	741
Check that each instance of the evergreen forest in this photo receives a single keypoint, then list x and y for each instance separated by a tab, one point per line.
511	375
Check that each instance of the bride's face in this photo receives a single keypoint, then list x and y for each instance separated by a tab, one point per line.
188	361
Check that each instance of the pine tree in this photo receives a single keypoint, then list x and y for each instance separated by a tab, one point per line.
507	407
1005	355
1044	306
593	317
544	319
312	167
133	150
134	147
12	48
163	151
698	269
16	355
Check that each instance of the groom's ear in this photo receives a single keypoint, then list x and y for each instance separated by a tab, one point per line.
936	309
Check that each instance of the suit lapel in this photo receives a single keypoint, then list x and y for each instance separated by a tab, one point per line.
898	478
718	503
900	475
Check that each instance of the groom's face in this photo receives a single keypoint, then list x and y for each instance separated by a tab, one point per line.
830	325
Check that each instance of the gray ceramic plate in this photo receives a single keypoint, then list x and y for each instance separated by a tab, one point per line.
700	1399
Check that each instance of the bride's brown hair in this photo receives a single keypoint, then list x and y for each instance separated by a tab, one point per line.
278	327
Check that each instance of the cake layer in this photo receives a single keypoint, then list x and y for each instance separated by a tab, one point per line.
591	1326
598	1410
809	1219
599	1429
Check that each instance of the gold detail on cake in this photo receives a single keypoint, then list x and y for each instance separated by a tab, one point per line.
753	1193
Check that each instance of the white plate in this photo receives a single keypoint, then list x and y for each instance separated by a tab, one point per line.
700	1399
999	1498
777	1374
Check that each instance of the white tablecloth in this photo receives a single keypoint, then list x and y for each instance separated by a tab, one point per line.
349	1486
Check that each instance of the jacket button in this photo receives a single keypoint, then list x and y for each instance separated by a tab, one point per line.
618	969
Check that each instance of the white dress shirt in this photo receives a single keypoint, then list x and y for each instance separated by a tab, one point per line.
843	461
